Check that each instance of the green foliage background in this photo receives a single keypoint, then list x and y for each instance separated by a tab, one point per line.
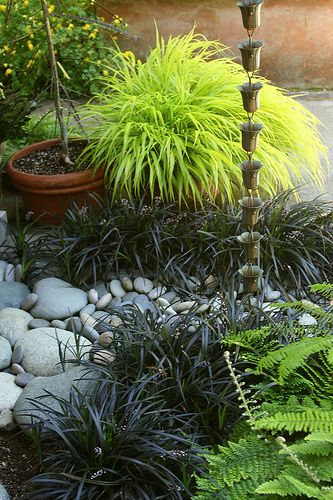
80	45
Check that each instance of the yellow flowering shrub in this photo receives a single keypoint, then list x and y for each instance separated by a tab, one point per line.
79	42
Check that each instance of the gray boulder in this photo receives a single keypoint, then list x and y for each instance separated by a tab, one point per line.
57	299
58	385
41	350
12	294
14	324
3	493
5	353
9	391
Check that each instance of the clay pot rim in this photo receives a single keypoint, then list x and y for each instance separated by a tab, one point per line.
53	179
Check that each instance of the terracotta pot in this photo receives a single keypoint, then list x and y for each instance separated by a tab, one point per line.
49	196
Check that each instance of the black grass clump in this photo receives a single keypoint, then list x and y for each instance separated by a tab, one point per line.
115	444
163	241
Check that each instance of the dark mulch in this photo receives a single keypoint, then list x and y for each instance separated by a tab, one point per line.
19	462
49	162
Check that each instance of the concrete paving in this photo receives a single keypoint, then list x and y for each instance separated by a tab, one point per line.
321	105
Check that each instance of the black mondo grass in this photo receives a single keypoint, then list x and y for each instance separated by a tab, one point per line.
179	361
169	243
116	445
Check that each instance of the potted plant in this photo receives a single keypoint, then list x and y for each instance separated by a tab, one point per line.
45	173
170	126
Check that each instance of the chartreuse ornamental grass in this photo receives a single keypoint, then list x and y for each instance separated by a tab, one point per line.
171	126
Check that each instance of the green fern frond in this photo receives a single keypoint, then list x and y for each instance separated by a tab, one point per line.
239	469
293	356
310	420
324	289
287	485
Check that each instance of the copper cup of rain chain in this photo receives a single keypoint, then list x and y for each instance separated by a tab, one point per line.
250	135
251	244
250	52
250	96
250	10
250	172
250	278
251	207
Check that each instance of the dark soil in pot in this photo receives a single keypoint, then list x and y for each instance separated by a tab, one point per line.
49	161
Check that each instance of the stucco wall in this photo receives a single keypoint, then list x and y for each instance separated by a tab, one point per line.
298	34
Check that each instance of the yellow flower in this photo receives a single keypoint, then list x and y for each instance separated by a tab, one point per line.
5	65
8	72
25	3
116	22
92	36
32	35
30	63
6	48
51	9
30	45
59	26
70	27
86	27
2	8
128	54
105	72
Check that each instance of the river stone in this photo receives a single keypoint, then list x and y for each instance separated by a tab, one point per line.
29	301
18	272
106	339
6	424
184	306
103	302
127	283
100	288
3	265
5	353
101	357
89	309
116	288
163	302
115	321
115	302
9	392
169	296
211	281
129	297
57	323
307	320
16	369
157	292
90	333
10	273
57	299
143	285
3	493
41	350
92	296
38	323
272	295
17	355
73	324
145	303
22	379
12	294
14	324
58	385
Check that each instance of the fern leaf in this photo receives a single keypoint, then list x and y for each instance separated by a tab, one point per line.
291	357
287	485
309	420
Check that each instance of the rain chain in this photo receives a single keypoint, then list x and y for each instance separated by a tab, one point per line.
251	202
